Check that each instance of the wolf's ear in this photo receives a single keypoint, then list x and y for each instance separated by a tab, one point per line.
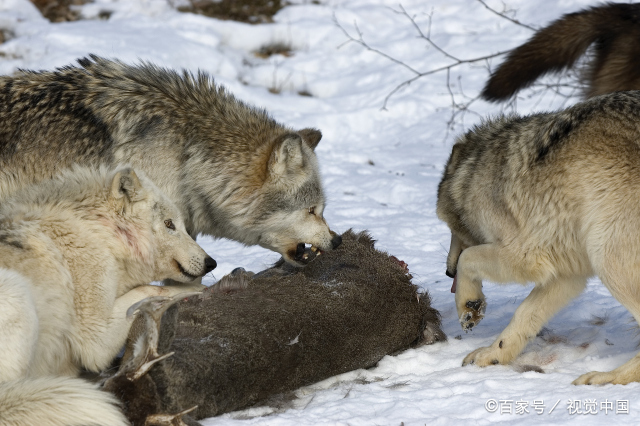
125	189
311	137
287	155
454	159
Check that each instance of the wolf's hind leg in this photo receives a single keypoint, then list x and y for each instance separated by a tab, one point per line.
626	373
539	306
622	284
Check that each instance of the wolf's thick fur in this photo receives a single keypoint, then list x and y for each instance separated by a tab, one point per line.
75	253
57	401
232	170
550	199
613	29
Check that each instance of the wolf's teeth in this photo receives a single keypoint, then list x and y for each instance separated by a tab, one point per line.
314	249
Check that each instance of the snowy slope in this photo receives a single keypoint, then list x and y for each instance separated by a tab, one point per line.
381	168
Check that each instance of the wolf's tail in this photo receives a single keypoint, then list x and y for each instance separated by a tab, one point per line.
57	401
561	44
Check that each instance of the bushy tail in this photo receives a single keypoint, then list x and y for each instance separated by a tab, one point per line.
559	46
53	401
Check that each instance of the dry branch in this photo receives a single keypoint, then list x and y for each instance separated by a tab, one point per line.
459	107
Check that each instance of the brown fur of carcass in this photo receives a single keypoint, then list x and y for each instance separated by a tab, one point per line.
251	337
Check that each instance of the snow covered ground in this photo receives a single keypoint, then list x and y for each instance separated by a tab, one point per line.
381	168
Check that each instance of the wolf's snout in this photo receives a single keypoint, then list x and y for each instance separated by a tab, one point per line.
209	264
336	241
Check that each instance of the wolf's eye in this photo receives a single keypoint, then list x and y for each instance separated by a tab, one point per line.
312	210
169	224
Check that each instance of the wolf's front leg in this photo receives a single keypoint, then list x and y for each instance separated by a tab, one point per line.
100	344
494	263
542	303
470	301
455	249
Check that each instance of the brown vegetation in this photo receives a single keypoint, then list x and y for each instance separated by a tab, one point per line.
250	11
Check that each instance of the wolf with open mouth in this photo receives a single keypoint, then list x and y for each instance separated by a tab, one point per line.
233	171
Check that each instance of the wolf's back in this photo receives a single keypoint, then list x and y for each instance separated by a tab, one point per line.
57	401
615	28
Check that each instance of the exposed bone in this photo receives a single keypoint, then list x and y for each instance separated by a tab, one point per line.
168	419
152	309
131	379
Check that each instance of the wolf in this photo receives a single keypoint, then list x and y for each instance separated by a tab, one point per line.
233	171
550	198
614	65
75	253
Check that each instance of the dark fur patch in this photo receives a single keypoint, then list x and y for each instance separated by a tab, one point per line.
147	127
562	126
559	130
11	240
40	108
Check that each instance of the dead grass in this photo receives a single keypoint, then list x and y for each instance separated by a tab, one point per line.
275	48
59	10
250	11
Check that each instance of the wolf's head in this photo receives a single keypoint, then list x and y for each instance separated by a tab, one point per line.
270	194
260	185
152	227
291	204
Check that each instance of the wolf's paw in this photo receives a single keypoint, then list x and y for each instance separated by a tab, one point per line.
600	378
483	357
472	313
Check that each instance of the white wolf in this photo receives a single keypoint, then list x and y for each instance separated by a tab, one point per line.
75	253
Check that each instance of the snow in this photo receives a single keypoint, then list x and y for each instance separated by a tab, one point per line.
381	167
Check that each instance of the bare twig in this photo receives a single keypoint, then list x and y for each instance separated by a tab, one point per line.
457	108
504	15
417	74
362	43
460	103
427	37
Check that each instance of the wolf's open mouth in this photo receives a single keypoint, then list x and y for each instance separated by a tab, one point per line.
306	252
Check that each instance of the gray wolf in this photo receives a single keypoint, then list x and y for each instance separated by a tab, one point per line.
552	199
233	171
345	310
613	29
74	253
